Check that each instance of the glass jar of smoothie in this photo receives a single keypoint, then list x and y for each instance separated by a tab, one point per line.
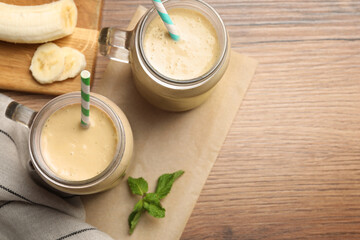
70	158
174	76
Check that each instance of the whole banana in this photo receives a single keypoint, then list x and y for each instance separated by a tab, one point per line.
37	24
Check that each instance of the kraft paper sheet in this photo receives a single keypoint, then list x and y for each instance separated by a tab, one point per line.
165	142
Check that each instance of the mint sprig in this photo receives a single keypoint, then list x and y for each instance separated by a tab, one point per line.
150	202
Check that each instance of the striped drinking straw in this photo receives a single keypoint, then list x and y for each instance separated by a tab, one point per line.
167	20
85	98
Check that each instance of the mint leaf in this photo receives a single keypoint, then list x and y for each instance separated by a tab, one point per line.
178	174
154	209
152	198
135	215
138	186
165	183
139	205
153	206
134	219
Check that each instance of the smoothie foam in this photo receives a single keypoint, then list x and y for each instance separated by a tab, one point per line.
193	55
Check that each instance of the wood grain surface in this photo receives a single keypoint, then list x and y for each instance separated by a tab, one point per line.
290	166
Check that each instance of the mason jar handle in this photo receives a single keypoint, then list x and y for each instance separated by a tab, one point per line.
20	113
114	44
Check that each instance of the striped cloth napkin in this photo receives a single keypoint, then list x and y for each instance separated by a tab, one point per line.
28	211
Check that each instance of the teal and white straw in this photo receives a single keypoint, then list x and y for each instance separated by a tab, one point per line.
85	98
167	20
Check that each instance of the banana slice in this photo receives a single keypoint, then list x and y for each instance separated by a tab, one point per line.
47	63
74	63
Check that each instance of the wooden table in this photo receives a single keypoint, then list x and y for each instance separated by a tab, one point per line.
290	166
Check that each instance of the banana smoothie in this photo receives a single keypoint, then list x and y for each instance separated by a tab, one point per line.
192	56
74	153
77	160
173	75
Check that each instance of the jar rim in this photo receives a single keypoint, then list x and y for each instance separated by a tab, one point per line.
34	146
191	81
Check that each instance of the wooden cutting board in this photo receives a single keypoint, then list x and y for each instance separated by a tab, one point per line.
15	58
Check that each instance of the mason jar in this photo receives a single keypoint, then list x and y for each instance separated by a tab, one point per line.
37	164
162	91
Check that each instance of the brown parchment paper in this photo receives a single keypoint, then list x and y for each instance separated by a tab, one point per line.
165	142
